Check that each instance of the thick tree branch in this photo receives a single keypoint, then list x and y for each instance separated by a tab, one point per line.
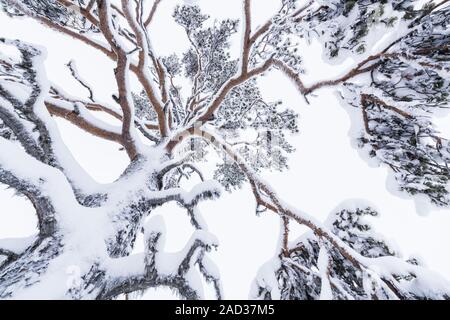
90	5
121	75
100	107
139	283
76	76
271	201
76	118
150	276
368	98
142	69
266	26
152	13
126	103
85	12
230	85
305	90
9	254
55	26
266	196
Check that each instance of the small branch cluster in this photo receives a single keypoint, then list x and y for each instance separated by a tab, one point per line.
395	88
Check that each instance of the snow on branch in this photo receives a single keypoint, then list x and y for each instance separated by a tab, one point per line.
74	71
32	79
12	248
15	246
382	273
145	54
152	13
394	90
78	115
158	268
387	268
24	86
202	191
40	15
323	262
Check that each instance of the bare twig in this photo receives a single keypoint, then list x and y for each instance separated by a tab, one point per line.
74	72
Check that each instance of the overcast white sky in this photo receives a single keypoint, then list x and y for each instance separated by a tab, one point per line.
324	170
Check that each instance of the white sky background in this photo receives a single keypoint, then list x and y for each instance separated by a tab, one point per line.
324	171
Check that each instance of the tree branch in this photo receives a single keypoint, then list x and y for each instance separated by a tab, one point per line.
64	30
152	13
9	254
15	124
174	274
273	203
230	85
12	175
76	76
266	26
304	90
143	42
246	45
140	73
121	75
366	98
99	107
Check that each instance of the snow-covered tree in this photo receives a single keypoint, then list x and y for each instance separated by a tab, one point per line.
206	97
